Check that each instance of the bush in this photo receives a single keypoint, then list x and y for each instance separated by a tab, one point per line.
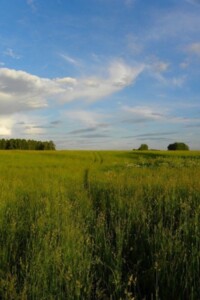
143	147
178	146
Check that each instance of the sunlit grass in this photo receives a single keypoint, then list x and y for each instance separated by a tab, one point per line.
99	225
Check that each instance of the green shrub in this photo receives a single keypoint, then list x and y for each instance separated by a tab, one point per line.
178	146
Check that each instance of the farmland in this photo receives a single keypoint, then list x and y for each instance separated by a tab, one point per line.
99	225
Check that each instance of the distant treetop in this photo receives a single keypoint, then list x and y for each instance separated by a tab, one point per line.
143	147
22	144
178	146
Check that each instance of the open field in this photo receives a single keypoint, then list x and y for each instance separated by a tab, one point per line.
99	225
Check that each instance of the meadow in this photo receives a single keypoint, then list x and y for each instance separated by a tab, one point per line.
99	225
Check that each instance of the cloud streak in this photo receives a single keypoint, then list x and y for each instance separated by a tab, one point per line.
85	130
142	114
70	60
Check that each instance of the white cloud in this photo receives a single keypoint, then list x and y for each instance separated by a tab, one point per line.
5	126
122	75
67	81
21	91
118	75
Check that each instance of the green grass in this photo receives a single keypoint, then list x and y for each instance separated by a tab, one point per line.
99	225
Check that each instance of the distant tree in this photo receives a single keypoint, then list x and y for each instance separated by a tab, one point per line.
2	144
178	146
7	145
51	145
39	146
143	147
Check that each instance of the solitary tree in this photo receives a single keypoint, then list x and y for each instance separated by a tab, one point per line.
143	147
178	146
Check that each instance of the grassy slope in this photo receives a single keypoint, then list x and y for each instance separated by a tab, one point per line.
99	225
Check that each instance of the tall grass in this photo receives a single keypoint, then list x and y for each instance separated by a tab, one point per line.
99	225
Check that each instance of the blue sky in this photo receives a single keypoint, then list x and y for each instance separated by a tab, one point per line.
100	74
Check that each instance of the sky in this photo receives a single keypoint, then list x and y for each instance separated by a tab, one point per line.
100	74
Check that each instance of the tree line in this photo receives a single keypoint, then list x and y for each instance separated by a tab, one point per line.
23	144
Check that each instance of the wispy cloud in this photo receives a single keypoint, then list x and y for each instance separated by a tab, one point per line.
171	25
118	76
195	2
129	2
70	60
157	70
194	48
10	52
160	66
178	81
134	44
184	65
32	4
